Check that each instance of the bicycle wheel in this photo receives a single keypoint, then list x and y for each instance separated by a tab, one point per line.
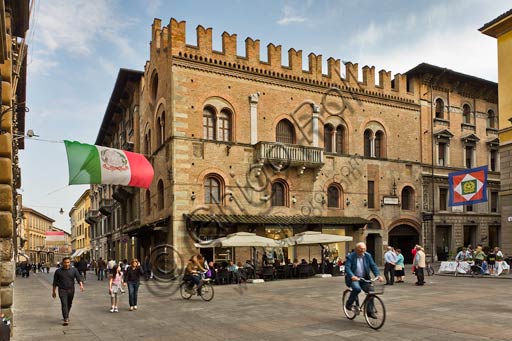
184	293
206	292
376	318
350	314
476	272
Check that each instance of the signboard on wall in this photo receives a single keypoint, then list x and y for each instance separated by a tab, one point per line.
390	201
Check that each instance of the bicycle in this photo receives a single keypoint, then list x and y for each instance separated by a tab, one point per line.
375	320
205	290
474	270
430	269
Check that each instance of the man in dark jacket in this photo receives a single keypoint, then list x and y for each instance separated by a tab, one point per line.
64	278
358	265
82	268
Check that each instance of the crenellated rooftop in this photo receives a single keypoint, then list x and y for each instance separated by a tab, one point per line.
172	39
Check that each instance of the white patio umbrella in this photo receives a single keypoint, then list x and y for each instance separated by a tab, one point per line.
240	239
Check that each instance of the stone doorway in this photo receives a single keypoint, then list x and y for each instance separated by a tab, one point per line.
404	237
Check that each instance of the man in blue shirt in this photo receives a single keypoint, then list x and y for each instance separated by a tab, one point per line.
389	266
358	265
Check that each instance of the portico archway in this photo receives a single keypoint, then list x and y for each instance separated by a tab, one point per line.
404	237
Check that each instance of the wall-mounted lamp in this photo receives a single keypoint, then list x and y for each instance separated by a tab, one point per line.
381	203
323	200
193	196
365	202
61	211
265	197
301	170
347	202
231	197
294	199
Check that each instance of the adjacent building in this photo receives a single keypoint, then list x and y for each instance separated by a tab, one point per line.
501	29
14	22
59	249
35	226
245	143
80	231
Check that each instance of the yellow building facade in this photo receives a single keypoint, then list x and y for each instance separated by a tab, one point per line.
35	225
80	229
501	29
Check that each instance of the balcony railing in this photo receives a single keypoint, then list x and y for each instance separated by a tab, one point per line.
92	217
106	206
281	154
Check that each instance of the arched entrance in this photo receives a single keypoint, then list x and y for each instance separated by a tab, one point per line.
404	237
374	246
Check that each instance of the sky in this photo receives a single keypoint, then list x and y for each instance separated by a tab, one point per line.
76	48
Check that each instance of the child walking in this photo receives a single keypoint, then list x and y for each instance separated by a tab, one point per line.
115	286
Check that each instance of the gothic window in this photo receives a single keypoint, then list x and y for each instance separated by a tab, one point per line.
212	190
379	144
208	123
491	119
224	124
368	143
407	198
340	132
439	108
466	114
278	194
328	131
333	196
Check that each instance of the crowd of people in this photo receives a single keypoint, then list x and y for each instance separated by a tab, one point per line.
24	268
483	257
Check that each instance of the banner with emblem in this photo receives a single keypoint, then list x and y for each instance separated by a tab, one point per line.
468	187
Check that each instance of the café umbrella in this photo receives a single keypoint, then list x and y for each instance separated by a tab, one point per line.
239	239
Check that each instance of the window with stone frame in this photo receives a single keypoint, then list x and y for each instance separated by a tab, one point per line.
285	132
209	123
328	131
493	160
333	196
407	198
469	156
340	135
224	126
368	135
278	194
466	114
443	199
212	190
442	151
371	194
440	109
491	119
494	197
379	144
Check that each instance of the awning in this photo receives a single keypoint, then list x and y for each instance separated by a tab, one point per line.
281	220
23	257
79	252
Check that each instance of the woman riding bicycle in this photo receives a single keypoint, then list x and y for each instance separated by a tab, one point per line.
193	273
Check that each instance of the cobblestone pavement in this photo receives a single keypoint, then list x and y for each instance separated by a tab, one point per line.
446	308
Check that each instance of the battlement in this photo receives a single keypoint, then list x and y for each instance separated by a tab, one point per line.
171	39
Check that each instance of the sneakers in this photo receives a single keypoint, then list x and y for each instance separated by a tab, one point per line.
131	309
116	310
112	309
134	307
66	322
372	315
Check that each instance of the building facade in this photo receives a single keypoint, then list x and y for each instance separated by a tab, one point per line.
501	29
58	250
35	227
14	21
239	143
80	230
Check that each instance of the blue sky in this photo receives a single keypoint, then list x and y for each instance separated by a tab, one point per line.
77	47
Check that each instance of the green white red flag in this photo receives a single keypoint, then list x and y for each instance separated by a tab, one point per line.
91	164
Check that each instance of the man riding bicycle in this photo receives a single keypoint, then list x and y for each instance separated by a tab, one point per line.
358	265
193	274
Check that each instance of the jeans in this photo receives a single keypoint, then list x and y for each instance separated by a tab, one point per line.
133	289
420	275
100	274
357	286
66	299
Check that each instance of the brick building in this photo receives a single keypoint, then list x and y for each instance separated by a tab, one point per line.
239	143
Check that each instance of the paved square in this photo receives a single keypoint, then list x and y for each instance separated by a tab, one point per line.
447	308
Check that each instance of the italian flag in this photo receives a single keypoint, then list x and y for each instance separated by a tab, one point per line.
90	164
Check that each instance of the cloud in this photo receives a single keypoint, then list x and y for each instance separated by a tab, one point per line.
76	28
290	16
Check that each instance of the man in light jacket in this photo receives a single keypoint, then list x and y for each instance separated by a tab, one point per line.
420	264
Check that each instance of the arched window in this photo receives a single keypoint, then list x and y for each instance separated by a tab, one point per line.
407	198
368	143
491	119
160	195
340	132
466	114
148	202
160	130
154	86
212	190
208	123
328	130
285	132
379	144
333	196
224	124
278	194
439	108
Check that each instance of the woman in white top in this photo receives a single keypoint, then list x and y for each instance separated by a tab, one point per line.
115	286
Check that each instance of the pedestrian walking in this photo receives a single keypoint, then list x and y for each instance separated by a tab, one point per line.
47	266
82	268
420	264
389	266
132	278
146	266
64	278
399	266
115	287
101	268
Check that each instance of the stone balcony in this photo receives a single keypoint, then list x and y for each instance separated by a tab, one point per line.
282	155
92	217
106	206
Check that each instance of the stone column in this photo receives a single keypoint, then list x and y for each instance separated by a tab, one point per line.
253	102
